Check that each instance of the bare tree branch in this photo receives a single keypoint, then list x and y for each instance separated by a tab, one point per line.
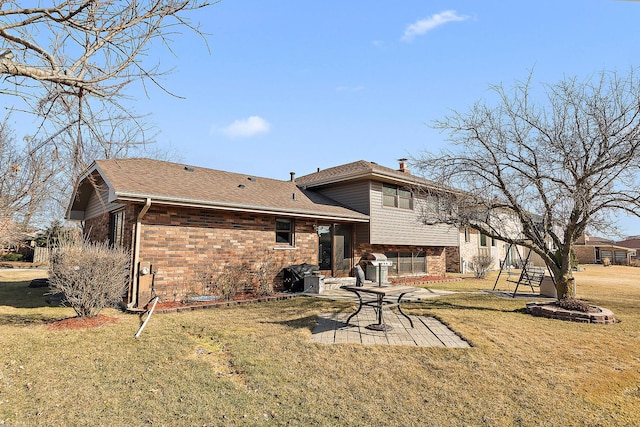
70	63
555	169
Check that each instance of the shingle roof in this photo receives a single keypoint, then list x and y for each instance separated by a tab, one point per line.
630	243
360	169
165	182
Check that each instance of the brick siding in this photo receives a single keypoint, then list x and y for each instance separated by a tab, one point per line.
585	254
453	259
185	244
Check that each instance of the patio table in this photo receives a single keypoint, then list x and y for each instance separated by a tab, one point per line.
380	292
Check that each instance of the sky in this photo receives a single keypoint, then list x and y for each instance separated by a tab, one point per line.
292	85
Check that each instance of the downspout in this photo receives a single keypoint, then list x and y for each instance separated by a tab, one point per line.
136	254
460	240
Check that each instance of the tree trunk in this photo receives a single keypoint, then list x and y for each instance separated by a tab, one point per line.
565	286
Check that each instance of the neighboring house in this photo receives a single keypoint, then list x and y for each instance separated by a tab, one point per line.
632	243
394	202
186	222
16	240
508	226
593	250
473	243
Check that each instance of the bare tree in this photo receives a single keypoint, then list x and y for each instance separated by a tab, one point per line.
95	47
24	176
68	64
540	174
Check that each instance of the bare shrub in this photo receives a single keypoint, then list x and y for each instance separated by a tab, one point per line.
204	281
480	265
265	273
91	276
234	278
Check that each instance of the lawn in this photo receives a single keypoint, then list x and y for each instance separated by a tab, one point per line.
255	365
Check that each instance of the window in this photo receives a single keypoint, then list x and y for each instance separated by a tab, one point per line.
467	235
116	228
396	197
284	231
407	262
483	240
389	195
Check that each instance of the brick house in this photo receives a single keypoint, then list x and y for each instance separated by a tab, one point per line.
594	250
633	243
182	222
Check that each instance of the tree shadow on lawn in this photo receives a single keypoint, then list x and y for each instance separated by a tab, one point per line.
439	304
20	295
24	319
307	322
310	322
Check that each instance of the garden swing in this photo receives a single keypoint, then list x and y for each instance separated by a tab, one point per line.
529	275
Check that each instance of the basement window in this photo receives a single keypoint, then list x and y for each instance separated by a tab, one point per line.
407	262
284	231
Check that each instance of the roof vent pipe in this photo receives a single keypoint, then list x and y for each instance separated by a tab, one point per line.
293	176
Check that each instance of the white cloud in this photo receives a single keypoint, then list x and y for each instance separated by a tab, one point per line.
425	25
244	128
349	88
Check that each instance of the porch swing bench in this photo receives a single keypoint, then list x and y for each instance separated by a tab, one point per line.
529	276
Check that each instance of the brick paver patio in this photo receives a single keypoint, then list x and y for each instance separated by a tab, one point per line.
427	331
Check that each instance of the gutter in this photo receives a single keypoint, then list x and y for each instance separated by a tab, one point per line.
193	203
136	254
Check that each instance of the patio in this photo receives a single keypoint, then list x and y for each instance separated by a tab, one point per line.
427	331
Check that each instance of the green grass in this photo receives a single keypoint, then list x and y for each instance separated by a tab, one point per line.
255	365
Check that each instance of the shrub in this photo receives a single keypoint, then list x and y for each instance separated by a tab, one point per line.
265	273
91	276
233	279
12	257
480	265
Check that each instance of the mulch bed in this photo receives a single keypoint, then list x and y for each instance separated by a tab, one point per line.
81	322
422	279
178	306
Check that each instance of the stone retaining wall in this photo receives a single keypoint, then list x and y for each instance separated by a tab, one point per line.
545	309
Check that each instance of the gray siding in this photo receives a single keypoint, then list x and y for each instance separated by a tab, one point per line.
394	226
98	203
354	195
